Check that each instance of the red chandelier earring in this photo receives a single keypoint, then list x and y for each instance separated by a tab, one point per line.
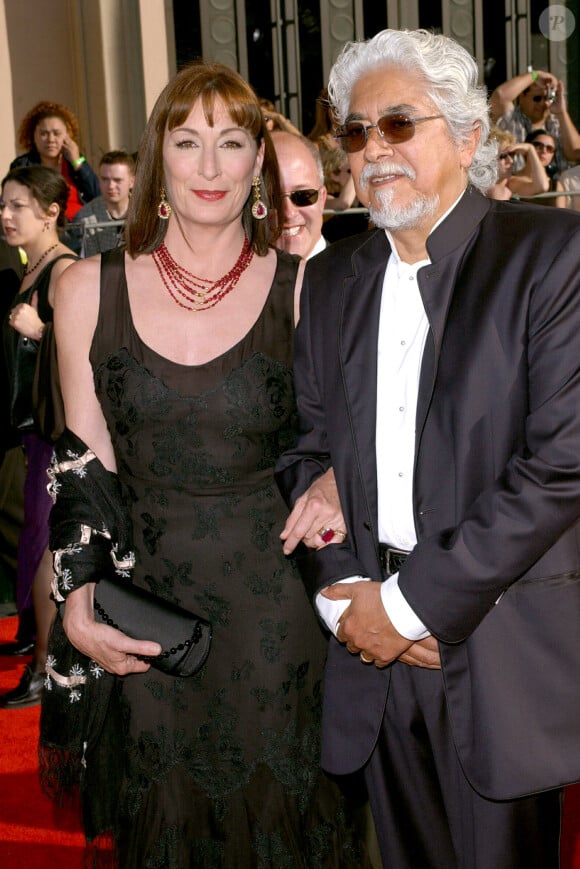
164	209
259	209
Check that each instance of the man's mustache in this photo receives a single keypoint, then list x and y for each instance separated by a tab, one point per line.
381	170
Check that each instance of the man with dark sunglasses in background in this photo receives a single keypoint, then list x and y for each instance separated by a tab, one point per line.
304	195
525	103
437	373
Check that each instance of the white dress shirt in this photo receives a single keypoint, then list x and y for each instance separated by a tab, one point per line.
403	329
320	245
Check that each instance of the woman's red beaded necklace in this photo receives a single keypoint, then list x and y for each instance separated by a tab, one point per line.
200	294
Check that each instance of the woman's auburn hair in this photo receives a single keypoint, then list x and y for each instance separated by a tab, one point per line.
208	82
37	114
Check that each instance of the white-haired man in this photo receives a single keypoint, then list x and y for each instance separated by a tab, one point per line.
437	371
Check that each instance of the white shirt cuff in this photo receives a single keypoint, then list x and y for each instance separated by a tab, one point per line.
330	611
402	616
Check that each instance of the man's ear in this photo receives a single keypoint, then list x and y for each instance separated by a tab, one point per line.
468	148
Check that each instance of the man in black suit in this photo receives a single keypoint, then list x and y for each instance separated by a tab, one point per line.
438	373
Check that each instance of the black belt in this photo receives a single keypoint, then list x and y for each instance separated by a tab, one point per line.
391	559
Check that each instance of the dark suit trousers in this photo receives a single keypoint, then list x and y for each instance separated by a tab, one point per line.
426	813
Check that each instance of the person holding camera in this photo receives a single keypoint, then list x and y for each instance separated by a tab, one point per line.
524	103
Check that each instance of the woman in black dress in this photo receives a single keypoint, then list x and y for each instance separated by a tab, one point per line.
32	213
181	385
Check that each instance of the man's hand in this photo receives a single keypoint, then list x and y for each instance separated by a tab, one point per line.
317	509
546	79
365	627
423	653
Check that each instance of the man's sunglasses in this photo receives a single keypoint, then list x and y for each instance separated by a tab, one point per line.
303	198
393	128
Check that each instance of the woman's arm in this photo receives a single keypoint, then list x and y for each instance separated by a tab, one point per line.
345	198
76	308
298	290
58	268
560	201
533	177
75	319
24	317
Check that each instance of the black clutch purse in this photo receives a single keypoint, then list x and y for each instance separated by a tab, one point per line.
184	637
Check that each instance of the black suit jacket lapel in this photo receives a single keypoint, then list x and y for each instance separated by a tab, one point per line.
447	247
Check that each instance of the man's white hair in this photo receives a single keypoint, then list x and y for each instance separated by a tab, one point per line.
451	79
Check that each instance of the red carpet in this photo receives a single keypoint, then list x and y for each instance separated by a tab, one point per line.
28	838
571	829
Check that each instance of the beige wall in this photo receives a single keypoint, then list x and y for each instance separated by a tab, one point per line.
105	59
38	42
6	112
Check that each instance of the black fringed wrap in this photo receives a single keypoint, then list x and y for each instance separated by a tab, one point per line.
81	728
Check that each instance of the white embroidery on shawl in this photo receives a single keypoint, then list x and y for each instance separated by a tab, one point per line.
123	565
76	463
62	576
77	675
74	681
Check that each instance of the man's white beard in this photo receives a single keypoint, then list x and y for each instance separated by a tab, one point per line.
405	216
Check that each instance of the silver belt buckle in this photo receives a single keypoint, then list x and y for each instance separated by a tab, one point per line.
395	557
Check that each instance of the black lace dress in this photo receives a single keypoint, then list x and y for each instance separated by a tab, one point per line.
222	768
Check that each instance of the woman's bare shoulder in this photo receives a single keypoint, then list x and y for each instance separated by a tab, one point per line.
77	293
81	273
79	281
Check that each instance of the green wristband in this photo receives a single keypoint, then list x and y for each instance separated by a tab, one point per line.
534	75
79	162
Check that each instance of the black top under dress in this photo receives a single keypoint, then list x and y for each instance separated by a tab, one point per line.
223	767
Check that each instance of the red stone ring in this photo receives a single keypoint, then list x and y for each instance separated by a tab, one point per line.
327	534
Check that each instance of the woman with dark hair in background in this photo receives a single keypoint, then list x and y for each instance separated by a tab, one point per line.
545	146
32	211
179	389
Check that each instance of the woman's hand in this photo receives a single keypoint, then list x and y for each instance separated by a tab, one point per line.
70	149
110	648
24	318
316	519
